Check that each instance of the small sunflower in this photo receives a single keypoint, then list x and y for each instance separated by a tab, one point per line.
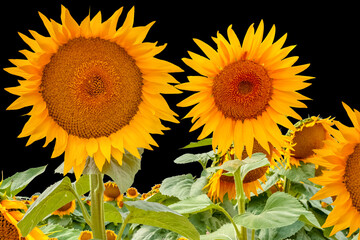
86	235
220	184
120	201
342	178
67	209
93	87
112	192
245	90
309	136
132	193
110	235
10	213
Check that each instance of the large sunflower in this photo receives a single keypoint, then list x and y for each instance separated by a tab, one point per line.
244	90
10	214
342	178
93	87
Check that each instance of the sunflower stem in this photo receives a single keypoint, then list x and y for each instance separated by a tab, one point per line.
287	184
240	198
123	225
97	206
82	207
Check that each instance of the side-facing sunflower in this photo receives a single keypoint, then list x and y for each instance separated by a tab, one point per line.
244	90
10	214
111	192
67	209
309	137
220	184
93	87
342	178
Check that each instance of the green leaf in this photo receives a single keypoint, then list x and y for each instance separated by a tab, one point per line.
153	233
201	143
53	198
300	173
112	214
193	205
282	232
200	157
177	186
61	233
281	209
20	180
226	232
158	215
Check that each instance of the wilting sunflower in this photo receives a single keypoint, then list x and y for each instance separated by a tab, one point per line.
66	209
220	184
245	90
342	178
93	87
10	214
112	192
308	137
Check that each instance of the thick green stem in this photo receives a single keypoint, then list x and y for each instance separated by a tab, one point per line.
97	206
238	234
287	184
240	198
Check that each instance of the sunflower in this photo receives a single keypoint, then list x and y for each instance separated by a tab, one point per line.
245	90
308	137
10	214
220	184
93	87
342	178
67	209
132	193
110	235
86	235
112	191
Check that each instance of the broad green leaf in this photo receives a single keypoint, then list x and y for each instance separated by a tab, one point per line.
201	143
177	186
281	209
112	214
61	233
20	180
300	173
282	232
124	174
200	157
226	232
53	198
158	215
193	205
154	233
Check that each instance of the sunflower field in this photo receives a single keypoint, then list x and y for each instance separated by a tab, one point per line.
98	94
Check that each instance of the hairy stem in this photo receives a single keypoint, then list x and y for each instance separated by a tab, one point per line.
97	206
240	198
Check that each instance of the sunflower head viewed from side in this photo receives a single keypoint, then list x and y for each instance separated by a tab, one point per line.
244	90
308	138
93	87
342	178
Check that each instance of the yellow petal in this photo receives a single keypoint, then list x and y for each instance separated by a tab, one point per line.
105	147
92	146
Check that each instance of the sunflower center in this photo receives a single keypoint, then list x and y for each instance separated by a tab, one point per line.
65	207
352	177
308	139
242	90
8	230
92	87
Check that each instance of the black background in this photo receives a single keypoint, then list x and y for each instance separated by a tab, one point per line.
326	36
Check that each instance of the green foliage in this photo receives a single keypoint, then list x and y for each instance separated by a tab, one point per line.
16	183
158	215
280	210
53	198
